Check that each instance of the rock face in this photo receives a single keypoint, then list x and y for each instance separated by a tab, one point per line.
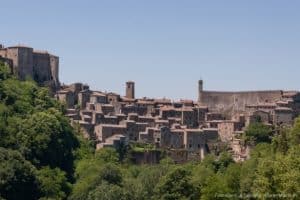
26	62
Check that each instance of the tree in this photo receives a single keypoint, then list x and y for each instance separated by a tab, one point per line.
176	185
4	136
247	176
4	72
264	182
111	174
140	181
106	191
53	183
216	188
90	173
223	161
32	123
294	136
107	155
200	175
18	180
281	142
46	138
232	177
258	132
287	172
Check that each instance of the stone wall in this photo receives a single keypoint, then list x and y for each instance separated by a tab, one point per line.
104	131
226	130
22	60
25	63
54	65
228	102
41	67
172	139
146	157
67	97
259	115
283	116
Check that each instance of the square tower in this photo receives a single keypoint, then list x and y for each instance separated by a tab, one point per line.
200	90
22	58
130	89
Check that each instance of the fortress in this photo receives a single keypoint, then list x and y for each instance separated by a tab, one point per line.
25	62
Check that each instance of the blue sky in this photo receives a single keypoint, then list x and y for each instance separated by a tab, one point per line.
165	46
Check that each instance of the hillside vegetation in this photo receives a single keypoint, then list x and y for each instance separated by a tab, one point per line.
43	157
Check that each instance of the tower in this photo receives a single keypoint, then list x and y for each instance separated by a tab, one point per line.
22	58
54	65
200	90
130	89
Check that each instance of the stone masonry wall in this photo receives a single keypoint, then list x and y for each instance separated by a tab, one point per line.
236	101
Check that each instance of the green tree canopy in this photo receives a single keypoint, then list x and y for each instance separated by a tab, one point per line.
176	185
258	132
17	176
53	183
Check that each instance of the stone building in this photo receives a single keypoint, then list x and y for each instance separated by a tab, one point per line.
226	129
26	62
67	97
283	115
185	129
104	131
259	115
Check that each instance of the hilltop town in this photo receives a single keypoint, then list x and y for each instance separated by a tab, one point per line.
185	129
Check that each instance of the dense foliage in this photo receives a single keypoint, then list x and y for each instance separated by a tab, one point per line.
272	172
37	143
43	157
